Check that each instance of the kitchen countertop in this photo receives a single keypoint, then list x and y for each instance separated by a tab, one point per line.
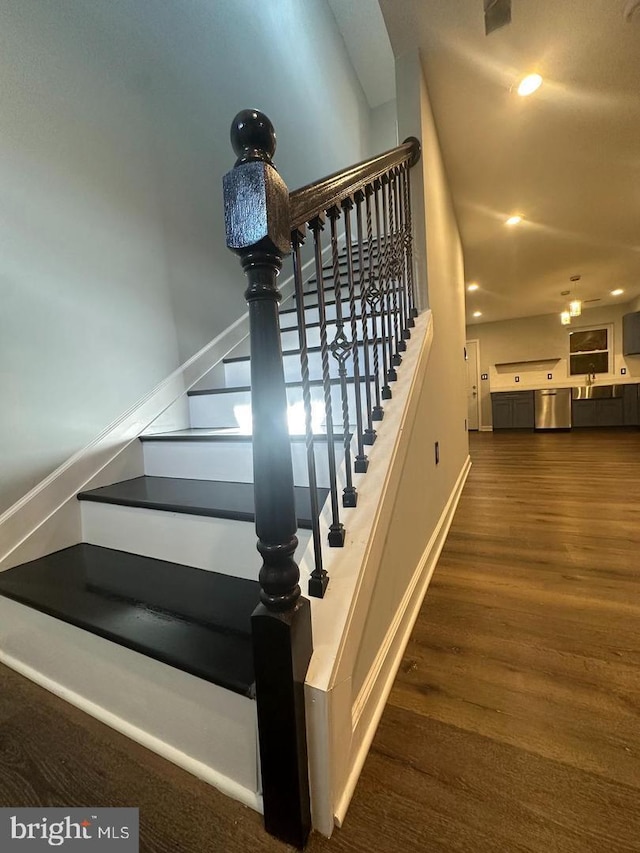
568	382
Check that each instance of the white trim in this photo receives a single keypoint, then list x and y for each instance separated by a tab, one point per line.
370	702
485	429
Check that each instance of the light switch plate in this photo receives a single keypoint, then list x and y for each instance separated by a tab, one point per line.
484	376
549	375
517	378
623	370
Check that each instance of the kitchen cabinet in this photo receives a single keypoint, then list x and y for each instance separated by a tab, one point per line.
631	405
512	409
631	334
598	413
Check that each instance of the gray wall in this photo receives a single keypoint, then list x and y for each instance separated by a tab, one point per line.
116	115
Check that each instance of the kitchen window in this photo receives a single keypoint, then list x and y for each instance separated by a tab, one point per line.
589	351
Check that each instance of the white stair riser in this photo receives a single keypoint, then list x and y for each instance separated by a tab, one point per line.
213	544
239	372
211	411
230	461
206	729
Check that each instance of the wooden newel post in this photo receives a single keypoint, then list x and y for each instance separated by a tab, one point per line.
258	229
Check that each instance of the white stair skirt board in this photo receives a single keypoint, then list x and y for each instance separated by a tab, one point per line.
230	461
213	544
207	730
211	411
239	372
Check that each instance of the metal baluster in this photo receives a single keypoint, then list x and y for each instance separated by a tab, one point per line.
319	578
385	321
389	220
392	296
369	433
374	300
408	242
341	348
399	256
361	462
336	528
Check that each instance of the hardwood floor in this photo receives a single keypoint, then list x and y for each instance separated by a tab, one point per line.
514	723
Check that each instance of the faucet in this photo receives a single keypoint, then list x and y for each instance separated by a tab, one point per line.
591	375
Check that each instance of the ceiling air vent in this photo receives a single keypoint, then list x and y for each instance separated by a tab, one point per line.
588	301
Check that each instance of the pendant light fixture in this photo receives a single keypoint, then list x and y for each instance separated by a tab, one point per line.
575	308
565	318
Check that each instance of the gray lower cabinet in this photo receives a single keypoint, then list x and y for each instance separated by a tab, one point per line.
512	409
631	405
598	413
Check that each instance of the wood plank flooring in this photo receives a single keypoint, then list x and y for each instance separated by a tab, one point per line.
514	723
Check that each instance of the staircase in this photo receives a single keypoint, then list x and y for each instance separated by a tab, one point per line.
146	622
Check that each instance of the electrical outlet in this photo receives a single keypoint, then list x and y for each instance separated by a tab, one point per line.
437	448
484	376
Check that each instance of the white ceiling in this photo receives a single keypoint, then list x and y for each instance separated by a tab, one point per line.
567	158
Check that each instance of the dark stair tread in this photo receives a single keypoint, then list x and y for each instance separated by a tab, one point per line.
212	498
231	389
191	619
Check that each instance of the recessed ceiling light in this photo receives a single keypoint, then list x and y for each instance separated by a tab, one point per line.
617	292
516	219
477	313
529	84
473	286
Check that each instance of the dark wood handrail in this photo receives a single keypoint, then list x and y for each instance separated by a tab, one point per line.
313	199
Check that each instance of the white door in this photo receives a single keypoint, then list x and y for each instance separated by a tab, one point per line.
473	395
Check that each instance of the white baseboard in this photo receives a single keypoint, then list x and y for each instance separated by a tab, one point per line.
485	429
370	703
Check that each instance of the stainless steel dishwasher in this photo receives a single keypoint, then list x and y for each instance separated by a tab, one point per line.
553	408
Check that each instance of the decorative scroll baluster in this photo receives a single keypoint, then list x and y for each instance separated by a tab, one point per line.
369	434
258	229
385	312
319	579
361	463
341	348
336	528
408	241
392	298
374	300
399	258
390	221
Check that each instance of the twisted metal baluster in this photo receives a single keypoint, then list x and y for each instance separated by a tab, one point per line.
400	345
392	297
319	578
369	433
374	298
341	348
399	258
385	320
361	463
408	242
336	528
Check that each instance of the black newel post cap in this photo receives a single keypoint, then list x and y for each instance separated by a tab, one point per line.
253	137
256	199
